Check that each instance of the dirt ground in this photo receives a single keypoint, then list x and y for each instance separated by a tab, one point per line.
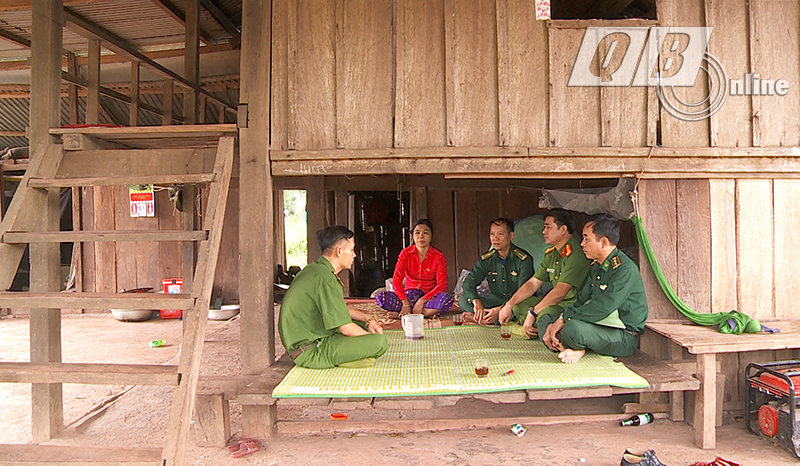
137	416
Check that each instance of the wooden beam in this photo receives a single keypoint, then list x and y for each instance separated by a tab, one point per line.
15	39
47	403
435	425
166	110
93	88
224	21
95	236
14	134
178	16
91	374
83	455
191	62
152	132
120	180
91	30
702	162
134	109
51	300
72	69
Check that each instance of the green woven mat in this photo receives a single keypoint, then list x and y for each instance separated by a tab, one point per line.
443	364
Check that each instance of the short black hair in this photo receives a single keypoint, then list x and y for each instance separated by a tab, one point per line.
562	217
503	221
329	237
422	221
604	226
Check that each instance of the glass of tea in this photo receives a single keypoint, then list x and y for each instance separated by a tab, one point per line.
505	331
458	319
481	367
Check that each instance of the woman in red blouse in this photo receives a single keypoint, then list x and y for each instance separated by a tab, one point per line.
420	277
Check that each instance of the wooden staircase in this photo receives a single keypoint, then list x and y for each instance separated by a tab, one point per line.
200	154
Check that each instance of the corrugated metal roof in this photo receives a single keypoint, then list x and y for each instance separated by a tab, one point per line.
140	22
15	113
14	116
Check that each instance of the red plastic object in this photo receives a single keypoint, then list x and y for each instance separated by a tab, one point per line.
339	416
172	286
779	383
768	420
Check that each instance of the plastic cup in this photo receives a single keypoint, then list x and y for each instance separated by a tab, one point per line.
505	331
458	319
481	367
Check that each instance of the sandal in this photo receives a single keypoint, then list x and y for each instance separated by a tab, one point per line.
717	462
238	445
245	448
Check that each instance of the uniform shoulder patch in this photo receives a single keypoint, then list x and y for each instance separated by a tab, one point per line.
522	256
488	254
615	262
550	249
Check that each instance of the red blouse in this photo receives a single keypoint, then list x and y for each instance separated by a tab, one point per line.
430	276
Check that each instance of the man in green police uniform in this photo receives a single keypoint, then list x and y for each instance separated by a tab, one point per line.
315	324
505	267
563	265
611	309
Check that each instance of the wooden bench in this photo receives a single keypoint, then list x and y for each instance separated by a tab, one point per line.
706	343
213	428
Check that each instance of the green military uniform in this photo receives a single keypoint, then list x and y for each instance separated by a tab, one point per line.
311	314
610	310
504	277
568	265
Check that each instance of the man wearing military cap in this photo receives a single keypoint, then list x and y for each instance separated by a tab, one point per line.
564	266
506	267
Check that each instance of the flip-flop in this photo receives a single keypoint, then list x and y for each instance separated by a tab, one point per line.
717	462
238	445
246	447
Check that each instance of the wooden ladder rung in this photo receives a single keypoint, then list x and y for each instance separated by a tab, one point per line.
184	178
69	300
85	456
91	374
97	236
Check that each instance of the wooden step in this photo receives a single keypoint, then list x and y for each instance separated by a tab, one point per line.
84	456
70	300
184	178
91	374
97	236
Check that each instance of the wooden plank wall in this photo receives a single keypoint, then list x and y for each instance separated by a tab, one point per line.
110	267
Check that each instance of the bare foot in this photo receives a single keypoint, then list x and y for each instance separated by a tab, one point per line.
570	356
393	315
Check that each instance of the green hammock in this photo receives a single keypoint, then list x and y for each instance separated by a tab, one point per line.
729	322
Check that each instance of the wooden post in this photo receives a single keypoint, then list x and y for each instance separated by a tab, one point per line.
191	69
166	116
315	214
202	114
47	403
705	405
256	268
134	118
72	67
93	92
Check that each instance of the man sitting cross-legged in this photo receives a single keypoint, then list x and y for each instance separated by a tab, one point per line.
610	310
563	265
315	324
